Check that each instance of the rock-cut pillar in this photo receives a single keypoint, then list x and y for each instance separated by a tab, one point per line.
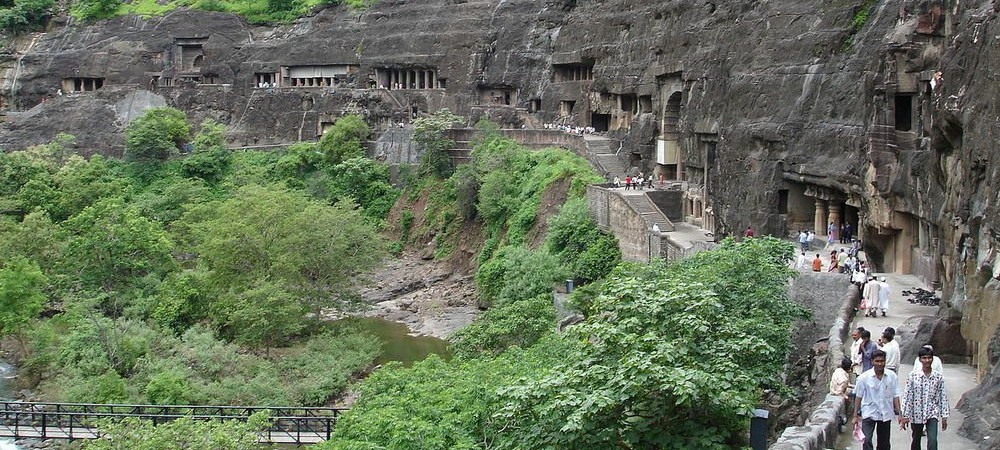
835	218
820	219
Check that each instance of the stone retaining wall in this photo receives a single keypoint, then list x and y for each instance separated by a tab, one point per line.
821	429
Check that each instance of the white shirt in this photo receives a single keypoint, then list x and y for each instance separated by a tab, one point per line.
877	395
891	350
855	355
883	295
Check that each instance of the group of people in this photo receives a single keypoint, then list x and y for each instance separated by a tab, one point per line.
874	295
636	182
569	128
806	240
876	396
845	232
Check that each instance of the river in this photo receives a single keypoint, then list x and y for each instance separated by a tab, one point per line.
6	380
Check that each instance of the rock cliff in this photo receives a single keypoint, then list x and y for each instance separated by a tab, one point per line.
786	115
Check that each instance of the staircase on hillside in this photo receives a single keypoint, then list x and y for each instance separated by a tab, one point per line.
641	204
603	156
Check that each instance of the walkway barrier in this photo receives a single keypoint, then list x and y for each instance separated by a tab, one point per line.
823	426
292	425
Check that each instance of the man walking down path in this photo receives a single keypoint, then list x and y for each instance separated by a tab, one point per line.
883	295
925	402
877	402
960	377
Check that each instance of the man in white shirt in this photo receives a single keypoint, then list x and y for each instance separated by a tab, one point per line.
925	402
802	262
889	345
855	349
883	295
936	365
803	240
877	402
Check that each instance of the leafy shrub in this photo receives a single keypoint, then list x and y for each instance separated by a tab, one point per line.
95	9
516	273
25	15
156	135
343	140
520	323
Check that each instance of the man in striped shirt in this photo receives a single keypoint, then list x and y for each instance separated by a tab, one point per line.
925	402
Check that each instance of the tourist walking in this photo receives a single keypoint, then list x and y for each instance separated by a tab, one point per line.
925	402
935	363
804	240
883	295
877	403
890	346
869	297
810	239
855	349
867	350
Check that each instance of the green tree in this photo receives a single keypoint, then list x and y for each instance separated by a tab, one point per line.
113	246
366	182
21	296
645	377
520	323
343	141
262	316
272	233
516	273
211	158
95	9
432	134
156	135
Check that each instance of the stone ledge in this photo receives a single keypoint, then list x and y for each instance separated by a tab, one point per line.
822	428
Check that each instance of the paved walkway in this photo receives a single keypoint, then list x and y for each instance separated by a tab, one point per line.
959	378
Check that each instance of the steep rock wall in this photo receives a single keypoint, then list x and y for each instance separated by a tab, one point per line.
780	114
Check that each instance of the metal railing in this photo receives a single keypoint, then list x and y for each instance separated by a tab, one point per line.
293	425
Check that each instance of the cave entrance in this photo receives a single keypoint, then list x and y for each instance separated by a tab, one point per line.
600	122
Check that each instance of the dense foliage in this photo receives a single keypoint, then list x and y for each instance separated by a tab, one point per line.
197	279
24	15
671	356
184	433
257	12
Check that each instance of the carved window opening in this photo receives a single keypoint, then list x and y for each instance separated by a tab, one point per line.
190	53
414	78
82	84
783	201
573	72
265	79
645	104
315	75
628	103
566	108
534	105
497	95
903	105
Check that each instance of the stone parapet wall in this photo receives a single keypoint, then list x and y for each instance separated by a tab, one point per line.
821	429
614	215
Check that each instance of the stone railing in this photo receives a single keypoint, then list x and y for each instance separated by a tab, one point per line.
822	428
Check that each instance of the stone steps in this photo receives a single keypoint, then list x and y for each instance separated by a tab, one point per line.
603	156
648	211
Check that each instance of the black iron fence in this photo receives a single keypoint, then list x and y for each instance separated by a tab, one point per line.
293	425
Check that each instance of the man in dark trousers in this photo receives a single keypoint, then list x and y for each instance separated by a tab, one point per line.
877	402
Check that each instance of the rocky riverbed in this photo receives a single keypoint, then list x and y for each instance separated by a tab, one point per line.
428	296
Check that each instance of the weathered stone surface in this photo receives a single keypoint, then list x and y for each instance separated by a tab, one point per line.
775	106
